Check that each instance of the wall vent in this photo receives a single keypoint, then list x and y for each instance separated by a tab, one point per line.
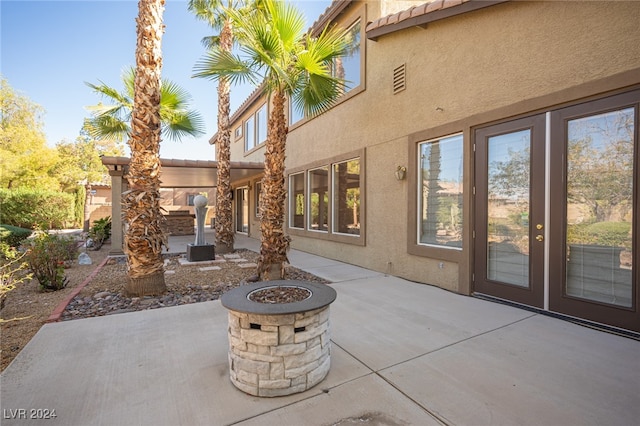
399	81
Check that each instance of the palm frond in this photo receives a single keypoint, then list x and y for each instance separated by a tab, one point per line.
172	96
108	92
209	11
217	63
317	94
287	21
177	124
107	127
128	77
210	42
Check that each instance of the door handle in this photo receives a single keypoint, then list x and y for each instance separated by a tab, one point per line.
539	238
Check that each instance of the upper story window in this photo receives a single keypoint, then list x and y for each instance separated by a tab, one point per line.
440	192
295	113
255	129
347	67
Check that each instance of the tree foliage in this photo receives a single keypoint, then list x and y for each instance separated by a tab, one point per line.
80	162
25	158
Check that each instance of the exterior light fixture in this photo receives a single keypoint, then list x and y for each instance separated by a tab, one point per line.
401	172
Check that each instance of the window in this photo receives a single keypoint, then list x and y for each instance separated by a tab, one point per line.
295	114
327	201
249	134
347	66
261	125
255	129
346	197
258	197
440	169
296	201
319	199
190	198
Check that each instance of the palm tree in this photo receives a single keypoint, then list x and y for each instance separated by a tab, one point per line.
144	237
213	12
277	53
112	121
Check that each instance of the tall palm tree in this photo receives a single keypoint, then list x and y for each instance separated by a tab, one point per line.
276	52
144	238
112	121
214	12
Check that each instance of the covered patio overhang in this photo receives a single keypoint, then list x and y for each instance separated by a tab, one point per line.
190	173
174	174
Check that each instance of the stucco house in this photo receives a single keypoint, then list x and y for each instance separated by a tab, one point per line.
486	147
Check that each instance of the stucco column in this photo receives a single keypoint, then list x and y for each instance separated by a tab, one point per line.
117	230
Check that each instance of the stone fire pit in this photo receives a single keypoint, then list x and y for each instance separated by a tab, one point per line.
278	349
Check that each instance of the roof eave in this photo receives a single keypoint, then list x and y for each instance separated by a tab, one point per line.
423	20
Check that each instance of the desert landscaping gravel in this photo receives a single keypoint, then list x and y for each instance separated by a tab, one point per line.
27	308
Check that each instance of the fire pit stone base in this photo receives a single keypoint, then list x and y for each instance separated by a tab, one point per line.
282	348
276	355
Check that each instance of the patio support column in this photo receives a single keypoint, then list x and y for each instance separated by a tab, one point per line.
116	211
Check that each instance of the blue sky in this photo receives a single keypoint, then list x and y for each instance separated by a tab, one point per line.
49	48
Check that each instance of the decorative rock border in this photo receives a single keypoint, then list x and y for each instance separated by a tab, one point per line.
278	349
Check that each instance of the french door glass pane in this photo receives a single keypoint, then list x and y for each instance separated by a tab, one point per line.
599	218
508	208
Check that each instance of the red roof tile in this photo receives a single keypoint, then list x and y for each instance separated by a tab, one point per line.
420	15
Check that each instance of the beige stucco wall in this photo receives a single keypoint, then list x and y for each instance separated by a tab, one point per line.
465	65
513	58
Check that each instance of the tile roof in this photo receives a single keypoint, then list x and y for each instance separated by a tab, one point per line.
423	14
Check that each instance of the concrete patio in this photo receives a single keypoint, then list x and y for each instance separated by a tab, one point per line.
402	354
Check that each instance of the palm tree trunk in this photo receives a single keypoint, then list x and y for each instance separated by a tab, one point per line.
224	204
274	243
86	217
144	238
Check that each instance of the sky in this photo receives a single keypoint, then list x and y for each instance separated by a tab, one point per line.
49	48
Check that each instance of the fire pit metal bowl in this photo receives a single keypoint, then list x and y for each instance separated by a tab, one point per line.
278	349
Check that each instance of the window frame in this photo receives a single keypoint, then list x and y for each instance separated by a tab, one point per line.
433	251
292	200
419	188
334	210
359	13
308	199
329	235
253	135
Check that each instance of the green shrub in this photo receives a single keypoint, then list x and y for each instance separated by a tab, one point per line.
13	235
47	256
616	234
100	231
30	208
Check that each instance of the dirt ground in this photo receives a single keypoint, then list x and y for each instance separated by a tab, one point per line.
27	308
